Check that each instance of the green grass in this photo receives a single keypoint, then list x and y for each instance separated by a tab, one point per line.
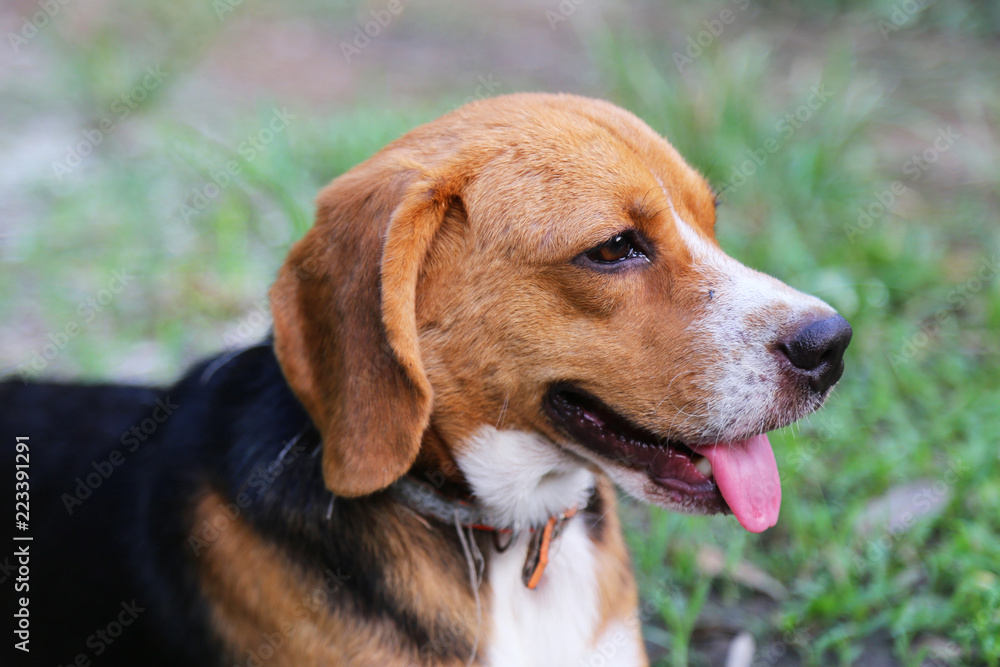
919	403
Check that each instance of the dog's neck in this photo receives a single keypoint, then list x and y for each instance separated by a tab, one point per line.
520	480
523	479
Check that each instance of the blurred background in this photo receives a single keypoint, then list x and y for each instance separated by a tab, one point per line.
157	159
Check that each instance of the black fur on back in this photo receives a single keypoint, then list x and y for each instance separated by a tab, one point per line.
233	426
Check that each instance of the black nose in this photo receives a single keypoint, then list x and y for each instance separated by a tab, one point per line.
818	350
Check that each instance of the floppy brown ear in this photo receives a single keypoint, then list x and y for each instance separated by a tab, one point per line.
345	329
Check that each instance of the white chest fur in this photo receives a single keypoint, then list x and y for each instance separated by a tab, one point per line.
522	479
553	624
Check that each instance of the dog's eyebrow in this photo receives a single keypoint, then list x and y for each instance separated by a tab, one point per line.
645	208
639	210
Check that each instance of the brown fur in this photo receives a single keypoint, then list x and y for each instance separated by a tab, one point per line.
619	599
263	603
260	597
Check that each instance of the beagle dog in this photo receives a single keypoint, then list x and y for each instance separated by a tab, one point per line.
495	319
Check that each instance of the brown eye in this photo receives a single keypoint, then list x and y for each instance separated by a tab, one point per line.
616	249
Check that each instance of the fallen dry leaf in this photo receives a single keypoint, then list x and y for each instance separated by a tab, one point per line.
712	562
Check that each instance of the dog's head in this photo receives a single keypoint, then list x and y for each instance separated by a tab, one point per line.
546	265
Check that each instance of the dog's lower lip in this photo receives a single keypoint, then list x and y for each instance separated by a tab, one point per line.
670	465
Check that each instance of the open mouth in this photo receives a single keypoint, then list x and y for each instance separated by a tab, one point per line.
740	477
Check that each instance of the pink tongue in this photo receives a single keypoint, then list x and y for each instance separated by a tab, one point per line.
748	479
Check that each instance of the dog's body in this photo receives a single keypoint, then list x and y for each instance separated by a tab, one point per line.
417	469
238	545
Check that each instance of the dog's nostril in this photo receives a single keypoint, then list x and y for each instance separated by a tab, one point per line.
818	348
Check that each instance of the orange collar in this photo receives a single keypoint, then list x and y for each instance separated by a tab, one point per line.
538	547
428	501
